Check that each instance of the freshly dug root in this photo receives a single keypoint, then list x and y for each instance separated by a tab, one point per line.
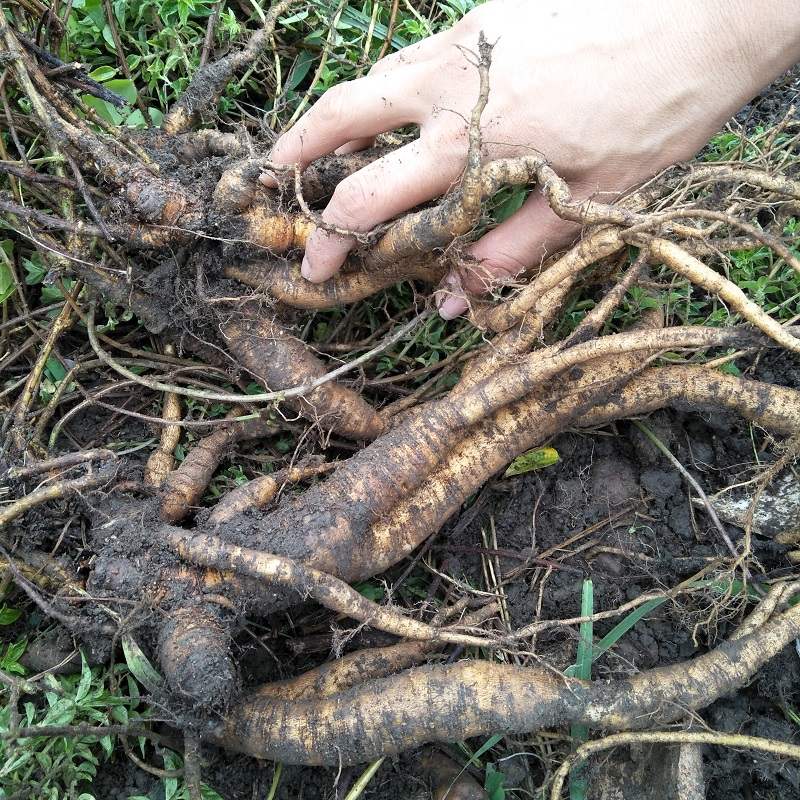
162	460
769	182
184	487
194	651
435	228
342	517
277	232
62	462
238	187
327	590
678	260
260	491
597	244
54	491
348	671
198	145
775	408
593	399
285	283
209	81
473	698
280	361
354	668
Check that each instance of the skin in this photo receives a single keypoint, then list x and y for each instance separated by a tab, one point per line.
610	93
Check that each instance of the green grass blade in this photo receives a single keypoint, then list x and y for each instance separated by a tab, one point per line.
622	627
578	783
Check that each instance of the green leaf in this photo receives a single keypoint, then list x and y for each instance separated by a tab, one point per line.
493	783
372	591
532	460
301	68
103	109
124	88
139	665
6	278
9	615
85	681
103	74
55	369
578	783
622	627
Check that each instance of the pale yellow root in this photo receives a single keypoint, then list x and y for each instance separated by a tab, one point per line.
678	260
472	698
260	491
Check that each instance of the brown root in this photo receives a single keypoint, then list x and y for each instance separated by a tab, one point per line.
209	81
183	488
473	698
329	591
280	361
162	459
285	283
194	651
261	491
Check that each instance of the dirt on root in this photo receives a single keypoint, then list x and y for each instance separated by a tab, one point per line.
612	509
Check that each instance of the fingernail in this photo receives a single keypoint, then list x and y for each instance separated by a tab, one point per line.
306	269
451	307
269	179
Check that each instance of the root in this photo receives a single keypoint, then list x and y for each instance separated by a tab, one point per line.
279	360
328	591
355	668
698	273
194	651
162	459
54	491
259	492
596	245
183	488
209	81
474	698
286	284
715	738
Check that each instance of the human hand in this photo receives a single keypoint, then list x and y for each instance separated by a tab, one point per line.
610	93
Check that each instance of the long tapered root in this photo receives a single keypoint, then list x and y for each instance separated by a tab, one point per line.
280	361
473	698
183	488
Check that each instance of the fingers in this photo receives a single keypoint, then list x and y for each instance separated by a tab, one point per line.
521	242
402	179
359	109
355	145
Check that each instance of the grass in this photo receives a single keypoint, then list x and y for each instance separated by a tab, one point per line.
162	41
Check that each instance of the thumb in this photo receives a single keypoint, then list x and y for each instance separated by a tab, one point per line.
520	243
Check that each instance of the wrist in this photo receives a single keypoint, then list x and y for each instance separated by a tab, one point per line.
745	45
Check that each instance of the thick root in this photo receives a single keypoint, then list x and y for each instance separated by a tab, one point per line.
184	487
327	590
194	651
280	361
474	698
285	283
